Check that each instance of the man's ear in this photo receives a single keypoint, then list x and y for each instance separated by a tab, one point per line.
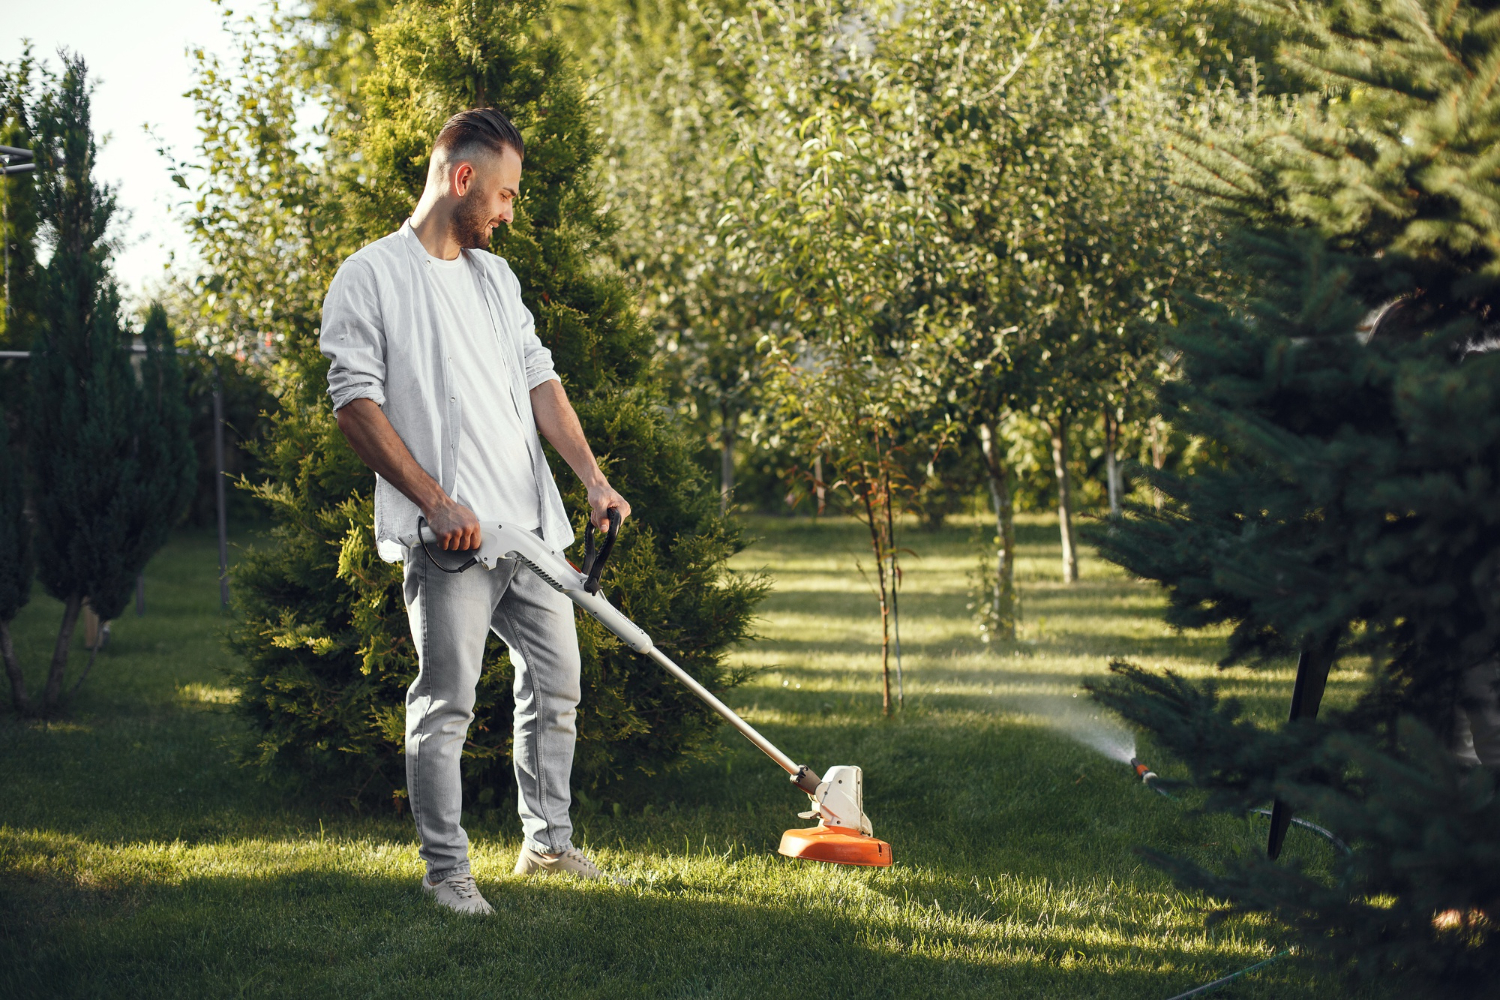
463	179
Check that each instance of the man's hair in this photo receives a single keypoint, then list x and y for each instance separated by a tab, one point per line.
479	128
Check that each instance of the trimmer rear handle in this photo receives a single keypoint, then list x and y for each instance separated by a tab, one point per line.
593	563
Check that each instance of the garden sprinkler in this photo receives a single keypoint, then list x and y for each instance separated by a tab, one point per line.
1148	777
842	835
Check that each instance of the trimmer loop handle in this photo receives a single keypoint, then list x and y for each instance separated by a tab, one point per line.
593	562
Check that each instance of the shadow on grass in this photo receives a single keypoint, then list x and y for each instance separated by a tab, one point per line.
322	933
1015	874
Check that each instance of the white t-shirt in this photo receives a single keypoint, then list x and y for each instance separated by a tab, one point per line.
495	478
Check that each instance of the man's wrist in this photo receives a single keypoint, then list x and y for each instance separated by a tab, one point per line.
435	504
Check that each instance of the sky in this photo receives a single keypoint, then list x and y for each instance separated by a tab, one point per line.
137	50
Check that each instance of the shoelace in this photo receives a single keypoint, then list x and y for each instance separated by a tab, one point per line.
463	886
581	858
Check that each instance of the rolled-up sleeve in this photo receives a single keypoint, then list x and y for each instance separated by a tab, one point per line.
353	336
538	359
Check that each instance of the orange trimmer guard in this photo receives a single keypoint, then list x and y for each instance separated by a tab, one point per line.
835	844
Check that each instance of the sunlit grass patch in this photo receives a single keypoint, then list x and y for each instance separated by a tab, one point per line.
207	694
136	859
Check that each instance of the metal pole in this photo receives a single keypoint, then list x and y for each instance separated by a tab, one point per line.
219	487
791	767
6	184
8	310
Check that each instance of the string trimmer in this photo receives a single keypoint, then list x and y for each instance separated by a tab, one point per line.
843	834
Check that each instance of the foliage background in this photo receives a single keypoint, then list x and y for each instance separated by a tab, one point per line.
323	631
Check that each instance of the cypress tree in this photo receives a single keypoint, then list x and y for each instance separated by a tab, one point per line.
327	652
17	322
108	451
1355	395
18	223
16	567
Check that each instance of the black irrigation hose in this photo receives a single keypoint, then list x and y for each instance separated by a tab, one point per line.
1149	778
1321	831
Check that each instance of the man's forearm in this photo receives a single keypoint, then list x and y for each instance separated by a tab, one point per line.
559	425
378	445
375	441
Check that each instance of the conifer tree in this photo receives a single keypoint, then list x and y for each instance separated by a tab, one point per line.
19	220
16	567
324	632
1354	391
110	461
17	319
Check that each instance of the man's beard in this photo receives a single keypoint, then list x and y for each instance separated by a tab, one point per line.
470	225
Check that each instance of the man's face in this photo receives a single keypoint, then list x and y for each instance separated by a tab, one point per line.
486	188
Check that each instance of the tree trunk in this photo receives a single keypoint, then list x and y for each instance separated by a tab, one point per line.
890	541
1064	498
91	626
872	518
1111	463
1158	456
13	670
53	690
1001	500
730	426
818	486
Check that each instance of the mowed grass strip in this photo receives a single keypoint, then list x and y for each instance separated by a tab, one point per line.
137	860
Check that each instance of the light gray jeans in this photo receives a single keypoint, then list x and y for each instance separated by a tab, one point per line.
450	615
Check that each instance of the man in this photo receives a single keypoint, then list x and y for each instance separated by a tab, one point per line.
440	384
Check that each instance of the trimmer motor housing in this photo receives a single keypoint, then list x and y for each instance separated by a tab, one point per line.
843	834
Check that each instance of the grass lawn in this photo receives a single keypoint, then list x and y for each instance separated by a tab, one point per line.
136	860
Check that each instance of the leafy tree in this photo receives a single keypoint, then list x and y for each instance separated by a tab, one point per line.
1353	389
327	654
261	216
667	119
829	232
110	461
1036	128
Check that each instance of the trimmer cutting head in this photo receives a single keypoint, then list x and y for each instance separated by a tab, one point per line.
843	835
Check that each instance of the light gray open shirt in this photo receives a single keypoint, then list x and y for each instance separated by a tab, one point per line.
380	331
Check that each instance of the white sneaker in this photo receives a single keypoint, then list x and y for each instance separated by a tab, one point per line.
458	893
570	862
